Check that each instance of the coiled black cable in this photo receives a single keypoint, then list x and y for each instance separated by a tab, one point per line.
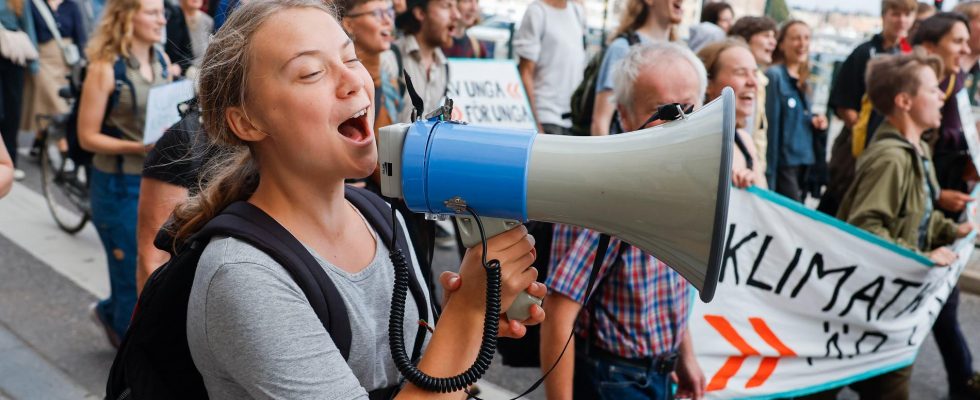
396	334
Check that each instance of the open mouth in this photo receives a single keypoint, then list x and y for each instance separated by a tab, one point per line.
356	128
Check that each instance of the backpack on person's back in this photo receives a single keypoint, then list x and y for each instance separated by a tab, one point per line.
154	360
583	99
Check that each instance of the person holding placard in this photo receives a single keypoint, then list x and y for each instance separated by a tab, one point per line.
947	36
110	124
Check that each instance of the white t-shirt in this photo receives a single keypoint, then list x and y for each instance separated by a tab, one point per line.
553	39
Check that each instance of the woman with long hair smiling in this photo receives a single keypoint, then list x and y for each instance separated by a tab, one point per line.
123	65
288	103
792	126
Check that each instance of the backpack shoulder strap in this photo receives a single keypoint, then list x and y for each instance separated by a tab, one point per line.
631	37
163	62
445	92
398	61
248	223
378	214
120	77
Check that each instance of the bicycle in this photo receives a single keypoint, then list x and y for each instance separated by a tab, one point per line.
64	184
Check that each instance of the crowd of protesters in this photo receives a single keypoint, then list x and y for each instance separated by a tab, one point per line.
900	168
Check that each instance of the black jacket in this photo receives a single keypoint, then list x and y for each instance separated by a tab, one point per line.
178	45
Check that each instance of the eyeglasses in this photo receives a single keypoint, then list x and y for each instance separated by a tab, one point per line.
379	13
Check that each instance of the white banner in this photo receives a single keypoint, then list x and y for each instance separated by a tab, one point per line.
489	92
807	302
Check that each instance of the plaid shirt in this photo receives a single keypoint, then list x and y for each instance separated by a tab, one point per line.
642	307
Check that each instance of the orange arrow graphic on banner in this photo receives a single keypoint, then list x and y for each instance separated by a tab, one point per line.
731	366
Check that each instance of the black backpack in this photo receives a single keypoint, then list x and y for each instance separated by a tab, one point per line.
154	360
583	98
75	151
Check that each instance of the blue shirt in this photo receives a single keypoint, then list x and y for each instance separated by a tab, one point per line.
610	62
790	131
68	18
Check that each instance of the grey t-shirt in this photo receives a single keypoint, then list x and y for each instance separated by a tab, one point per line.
253	334
553	39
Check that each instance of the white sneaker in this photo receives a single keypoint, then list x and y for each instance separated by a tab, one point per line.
19	174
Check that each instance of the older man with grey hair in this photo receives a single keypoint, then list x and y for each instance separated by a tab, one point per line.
653	75
633	336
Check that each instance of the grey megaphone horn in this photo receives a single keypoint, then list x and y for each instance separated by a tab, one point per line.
663	189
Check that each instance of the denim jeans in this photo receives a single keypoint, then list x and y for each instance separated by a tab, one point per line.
114	201
610	380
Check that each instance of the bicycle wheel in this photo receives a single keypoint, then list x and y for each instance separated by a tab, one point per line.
65	187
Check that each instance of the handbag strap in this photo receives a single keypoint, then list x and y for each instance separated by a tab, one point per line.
42	7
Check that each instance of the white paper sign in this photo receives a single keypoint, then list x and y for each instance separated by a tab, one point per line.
806	302
489	92
969	126
161	108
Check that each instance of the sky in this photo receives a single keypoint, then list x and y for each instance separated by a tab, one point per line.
870	6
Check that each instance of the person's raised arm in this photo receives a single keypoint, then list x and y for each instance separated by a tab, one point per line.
97	88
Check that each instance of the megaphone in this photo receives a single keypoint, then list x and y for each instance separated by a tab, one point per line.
663	189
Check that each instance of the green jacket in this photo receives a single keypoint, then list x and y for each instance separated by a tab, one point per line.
888	198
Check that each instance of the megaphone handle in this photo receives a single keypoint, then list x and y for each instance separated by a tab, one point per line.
469	232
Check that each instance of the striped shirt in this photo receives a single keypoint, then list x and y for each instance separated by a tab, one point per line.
642	306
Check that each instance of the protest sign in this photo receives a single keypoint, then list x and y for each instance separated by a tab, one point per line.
968	121
489	92
806	302
161	108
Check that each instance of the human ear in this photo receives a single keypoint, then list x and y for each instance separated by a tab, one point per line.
419	14
903	101
346	24
242	126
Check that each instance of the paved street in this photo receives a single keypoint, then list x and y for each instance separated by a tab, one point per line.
50	349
